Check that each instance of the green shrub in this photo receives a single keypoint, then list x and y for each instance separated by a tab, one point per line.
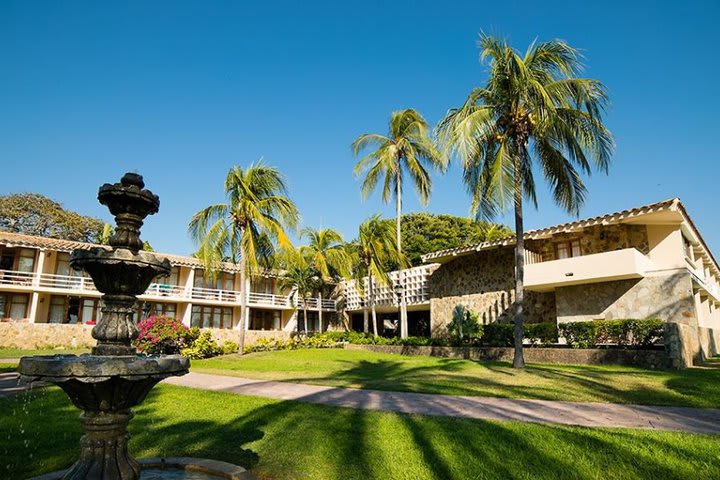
627	332
203	347
498	335
464	327
229	347
540	333
580	334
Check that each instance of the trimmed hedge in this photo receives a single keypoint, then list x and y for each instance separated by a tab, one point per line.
627	332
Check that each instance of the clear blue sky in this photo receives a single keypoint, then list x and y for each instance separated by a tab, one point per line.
180	91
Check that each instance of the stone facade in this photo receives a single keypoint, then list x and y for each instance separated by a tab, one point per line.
596	239
668	297
50	335
483	283
580	356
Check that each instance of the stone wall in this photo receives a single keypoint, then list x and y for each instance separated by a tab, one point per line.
668	298
50	335
45	335
580	356
483	283
596	239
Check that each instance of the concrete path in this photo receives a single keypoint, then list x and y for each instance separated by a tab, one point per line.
539	411
681	419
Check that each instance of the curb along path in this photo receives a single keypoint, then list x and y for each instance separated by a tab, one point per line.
681	419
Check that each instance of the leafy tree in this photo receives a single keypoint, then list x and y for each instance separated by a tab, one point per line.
301	275
35	214
325	252
425	232
533	110
373	250
247	227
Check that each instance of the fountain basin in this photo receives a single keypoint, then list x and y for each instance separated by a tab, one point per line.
178	468
103	383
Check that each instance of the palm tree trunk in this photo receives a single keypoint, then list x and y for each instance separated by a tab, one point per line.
243	302
398	239
320	311
519	359
372	307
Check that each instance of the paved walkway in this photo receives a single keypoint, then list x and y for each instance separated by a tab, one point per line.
680	419
540	411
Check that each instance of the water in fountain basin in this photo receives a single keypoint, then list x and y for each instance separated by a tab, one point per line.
173	474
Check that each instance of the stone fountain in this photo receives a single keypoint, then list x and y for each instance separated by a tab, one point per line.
108	383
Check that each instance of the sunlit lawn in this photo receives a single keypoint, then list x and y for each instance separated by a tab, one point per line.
291	440
362	369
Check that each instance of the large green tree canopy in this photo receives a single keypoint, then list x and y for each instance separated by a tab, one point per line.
425	232
35	214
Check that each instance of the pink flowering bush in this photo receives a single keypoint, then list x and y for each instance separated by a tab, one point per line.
162	335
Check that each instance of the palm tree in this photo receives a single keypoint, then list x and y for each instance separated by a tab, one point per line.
299	275
533	110
325	251
246	227
406	150
374	248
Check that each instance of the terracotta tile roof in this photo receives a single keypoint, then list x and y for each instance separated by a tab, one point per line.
31	241
606	219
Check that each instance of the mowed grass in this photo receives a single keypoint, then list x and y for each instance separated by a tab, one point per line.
291	440
21	352
697	387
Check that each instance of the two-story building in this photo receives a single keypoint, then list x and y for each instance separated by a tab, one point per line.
37	285
645	262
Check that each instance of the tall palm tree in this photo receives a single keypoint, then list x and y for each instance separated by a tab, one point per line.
246	228
300	275
375	248
406	150
326	252
534	110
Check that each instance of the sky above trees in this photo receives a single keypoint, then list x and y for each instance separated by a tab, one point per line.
181	91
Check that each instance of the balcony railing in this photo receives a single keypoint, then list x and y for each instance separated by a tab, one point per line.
312	303
268	300
80	285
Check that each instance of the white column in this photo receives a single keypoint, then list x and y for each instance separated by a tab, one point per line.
187	314
39	268
320	311
34	307
189	283
246	313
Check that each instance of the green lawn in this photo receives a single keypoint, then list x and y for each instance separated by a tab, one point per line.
362	369
290	440
19	352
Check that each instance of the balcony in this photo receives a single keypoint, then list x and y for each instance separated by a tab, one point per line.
312	304
706	282
256	299
598	267
79	285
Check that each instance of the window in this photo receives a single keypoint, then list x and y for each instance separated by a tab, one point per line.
264	319
211	317
148	309
66	309
567	249
263	285
14	307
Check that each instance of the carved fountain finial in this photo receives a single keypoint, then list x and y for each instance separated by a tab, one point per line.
129	203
